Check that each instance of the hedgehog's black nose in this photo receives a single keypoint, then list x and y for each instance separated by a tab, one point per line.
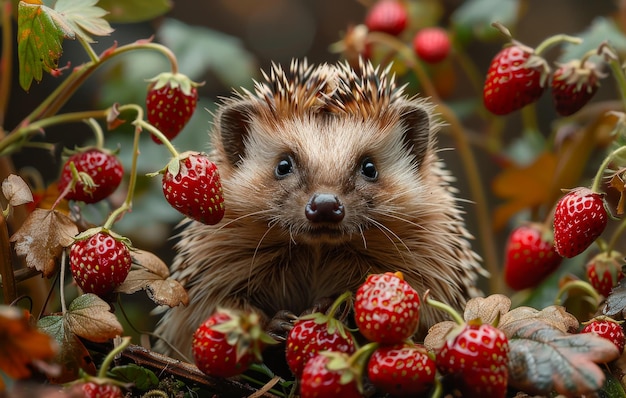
324	207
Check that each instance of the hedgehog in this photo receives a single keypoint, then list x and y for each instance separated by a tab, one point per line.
330	173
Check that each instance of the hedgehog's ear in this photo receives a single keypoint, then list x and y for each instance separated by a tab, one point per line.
417	134
233	128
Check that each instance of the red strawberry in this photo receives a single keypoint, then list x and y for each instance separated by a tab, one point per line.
94	390
516	78
228	342
170	103
314	333
388	16
530	256
386	308
607	328
476	354
321	380
402	370
192	185
101	173
573	85
100	261
432	45
579	219
604	270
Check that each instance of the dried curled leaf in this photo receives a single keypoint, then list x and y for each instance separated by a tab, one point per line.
487	309
153	277
543	357
42	237
17	192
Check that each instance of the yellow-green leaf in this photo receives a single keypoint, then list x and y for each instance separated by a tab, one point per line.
39	38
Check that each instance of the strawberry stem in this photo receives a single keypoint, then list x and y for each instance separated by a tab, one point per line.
470	166
616	70
142	124
597	181
554	40
132	182
97	132
577	284
5	60
456	317
25	131
92	54
104	368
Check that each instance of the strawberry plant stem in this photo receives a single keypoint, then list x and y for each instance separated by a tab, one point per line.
597	181
581	285
618	74
554	40
25	131
128	202
104	367
62	283
92	55
5	61
483	218
9	287
97	132
456	317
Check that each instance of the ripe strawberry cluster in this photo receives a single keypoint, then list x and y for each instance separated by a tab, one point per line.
100	260
431	44
326	359
518	76
534	250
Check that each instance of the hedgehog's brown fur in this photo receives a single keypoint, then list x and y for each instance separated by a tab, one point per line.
267	256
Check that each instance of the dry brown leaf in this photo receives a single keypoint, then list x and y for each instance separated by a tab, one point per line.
151	262
487	309
16	191
523	187
554	315
90	317
163	291
41	239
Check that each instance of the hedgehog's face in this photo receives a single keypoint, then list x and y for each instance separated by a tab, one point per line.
319	178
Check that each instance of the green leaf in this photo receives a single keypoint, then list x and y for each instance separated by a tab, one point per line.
83	17
39	41
91	318
132	11
199	48
601	29
142	378
72	355
539	345
476	16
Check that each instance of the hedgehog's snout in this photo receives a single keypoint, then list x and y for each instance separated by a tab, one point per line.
324	208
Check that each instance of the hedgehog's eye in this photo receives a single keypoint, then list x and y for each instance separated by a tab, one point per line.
284	167
368	170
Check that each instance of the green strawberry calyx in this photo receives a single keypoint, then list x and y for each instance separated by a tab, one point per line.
173	80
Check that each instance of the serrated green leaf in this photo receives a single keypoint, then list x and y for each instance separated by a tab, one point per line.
83	17
90	317
39	38
132	11
142	378
539	344
601	29
477	16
